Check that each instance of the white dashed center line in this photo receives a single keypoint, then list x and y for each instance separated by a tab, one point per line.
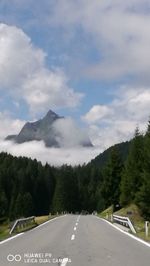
73	237
75	228
64	262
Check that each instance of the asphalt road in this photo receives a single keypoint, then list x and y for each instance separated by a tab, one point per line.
76	241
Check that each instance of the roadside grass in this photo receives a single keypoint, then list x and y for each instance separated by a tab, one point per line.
106	214
5	226
133	212
41	219
4	231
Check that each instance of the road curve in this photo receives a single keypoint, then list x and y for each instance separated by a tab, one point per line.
76	241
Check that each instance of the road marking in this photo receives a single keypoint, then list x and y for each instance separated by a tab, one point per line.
126	233
76	224
35	228
75	228
49	221
73	237
78	218
10	238
64	262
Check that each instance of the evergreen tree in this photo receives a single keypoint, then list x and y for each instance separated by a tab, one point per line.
18	208
110	190
58	204
132	174
3	204
28	209
143	196
66	197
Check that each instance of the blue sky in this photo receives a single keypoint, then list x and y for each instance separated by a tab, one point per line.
89	60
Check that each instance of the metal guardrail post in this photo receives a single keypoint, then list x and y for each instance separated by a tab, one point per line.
125	221
146	228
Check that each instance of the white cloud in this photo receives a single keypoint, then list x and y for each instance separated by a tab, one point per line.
9	126
119	29
69	134
49	89
133	102
24	75
129	109
19	58
53	156
96	113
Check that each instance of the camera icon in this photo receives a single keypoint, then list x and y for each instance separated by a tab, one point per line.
16	257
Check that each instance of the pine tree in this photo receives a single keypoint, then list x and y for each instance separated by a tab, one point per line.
28	209
143	196
18	208
3	204
110	191
132	174
66	196
58	204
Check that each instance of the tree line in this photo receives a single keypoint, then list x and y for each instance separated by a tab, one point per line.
29	188
128	181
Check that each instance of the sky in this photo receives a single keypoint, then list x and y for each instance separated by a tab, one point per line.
86	60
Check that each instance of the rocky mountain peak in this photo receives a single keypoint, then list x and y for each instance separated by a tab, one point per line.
50	114
43	129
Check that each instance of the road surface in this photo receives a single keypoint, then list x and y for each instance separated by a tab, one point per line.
76	241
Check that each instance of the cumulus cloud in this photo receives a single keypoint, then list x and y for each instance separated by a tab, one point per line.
24	75
96	113
9	125
129	109
19	58
119	29
53	156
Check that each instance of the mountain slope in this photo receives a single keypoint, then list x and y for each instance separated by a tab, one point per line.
102	158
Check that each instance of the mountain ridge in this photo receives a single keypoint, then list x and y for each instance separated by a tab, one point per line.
101	159
43	129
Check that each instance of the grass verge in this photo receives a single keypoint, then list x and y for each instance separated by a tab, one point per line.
4	230
133	212
5	226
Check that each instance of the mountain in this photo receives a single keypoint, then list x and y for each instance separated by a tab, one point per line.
102	158
44	129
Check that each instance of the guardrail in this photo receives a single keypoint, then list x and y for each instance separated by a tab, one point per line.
21	223
125	221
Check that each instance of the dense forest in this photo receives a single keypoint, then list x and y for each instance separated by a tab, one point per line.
119	176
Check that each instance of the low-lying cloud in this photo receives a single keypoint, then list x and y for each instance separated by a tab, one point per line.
69	134
53	156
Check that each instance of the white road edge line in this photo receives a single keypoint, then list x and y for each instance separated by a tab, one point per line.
53	219
73	237
75	228
10	238
126	233
64	262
